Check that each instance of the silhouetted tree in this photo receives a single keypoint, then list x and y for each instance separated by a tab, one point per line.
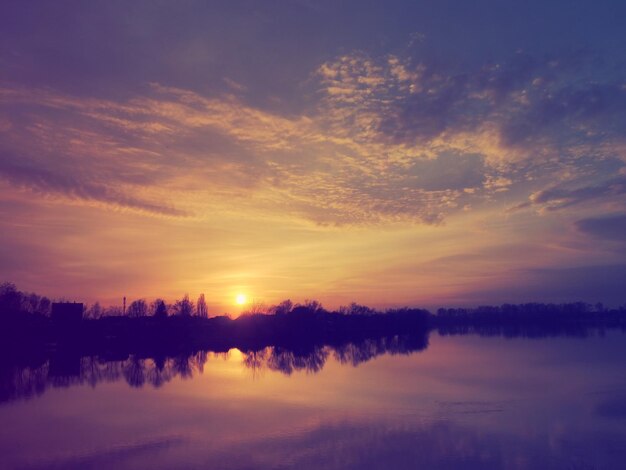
113	311
44	306
309	306
137	308
184	306
201	308
94	311
282	308
313	305
256	308
159	308
30	303
356	309
10	298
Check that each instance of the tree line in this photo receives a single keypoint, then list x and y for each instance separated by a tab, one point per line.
16	302
158	308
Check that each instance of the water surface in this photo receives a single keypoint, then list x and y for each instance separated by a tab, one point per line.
463	402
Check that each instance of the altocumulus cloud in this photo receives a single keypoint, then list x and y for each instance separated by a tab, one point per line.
390	138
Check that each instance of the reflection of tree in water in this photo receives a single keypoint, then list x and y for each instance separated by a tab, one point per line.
90	370
199	359
137	371
255	360
26	382
313	360
157	373
357	353
287	361
182	366
30	382
134	372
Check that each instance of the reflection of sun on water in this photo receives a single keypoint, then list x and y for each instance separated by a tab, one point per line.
241	299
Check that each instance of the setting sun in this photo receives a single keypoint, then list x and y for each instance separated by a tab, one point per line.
241	299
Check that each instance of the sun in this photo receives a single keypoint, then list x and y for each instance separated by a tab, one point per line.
241	299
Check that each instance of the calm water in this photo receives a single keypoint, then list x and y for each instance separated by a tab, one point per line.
464	402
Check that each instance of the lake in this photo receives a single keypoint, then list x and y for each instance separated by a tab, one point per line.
464	401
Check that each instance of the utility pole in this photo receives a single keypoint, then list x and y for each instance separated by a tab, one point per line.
124	308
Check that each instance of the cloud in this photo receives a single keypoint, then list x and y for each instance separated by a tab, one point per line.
170	141
612	227
433	106
564	195
592	111
390	139
537	107
448	172
47	182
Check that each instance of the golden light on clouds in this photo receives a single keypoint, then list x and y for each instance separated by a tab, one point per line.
396	181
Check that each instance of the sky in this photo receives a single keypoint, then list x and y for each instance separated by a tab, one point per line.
421	153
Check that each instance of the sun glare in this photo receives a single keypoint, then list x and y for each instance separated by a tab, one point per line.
241	299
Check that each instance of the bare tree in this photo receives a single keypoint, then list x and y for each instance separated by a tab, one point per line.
94	311
184	306
137	308
256	308
313	306
30	303
308	307
201	308
282	308
159	308
44	306
356	309
10	298
113	311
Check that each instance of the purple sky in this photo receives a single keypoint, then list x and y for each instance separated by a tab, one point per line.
385	152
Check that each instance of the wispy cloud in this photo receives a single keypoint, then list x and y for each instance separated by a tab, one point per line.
391	139
610	227
565	195
67	187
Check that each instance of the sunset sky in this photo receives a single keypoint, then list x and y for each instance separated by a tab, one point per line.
389	152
